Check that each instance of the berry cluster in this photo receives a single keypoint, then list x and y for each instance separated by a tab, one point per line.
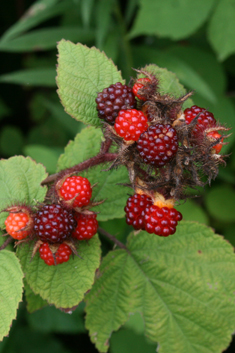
166	149
58	225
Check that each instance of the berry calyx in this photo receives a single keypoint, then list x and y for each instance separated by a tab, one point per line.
16	223
87	226
62	254
77	189
205	120
161	221
130	124
158	145
113	99
135	208
140	83
53	224
213	136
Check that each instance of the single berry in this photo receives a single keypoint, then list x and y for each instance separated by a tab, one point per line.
87	226
206	119
130	124
213	135
158	145
15	222
140	83
53	223
61	255
135	208
113	99
161	221
79	187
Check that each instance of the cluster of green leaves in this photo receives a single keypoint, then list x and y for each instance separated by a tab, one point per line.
178	292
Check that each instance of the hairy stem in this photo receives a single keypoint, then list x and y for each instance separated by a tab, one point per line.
112	237
7	242
91	162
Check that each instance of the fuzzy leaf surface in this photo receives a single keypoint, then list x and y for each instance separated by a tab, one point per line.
63	285
83	72
221	29
86	145
183	285
175	20
11	288
20	180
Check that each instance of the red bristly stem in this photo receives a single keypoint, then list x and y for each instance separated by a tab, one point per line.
7	242
112	238
91	162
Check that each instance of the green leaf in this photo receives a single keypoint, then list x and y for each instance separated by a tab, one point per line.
103	19
85	146
44	39
191	211
169	18
223	211
63	285
20	180
31	77
34	301
45	155
11	288
221	30
40	11
168	82
185	73
57	321
8	134
86	10
82	73
183	286
204	63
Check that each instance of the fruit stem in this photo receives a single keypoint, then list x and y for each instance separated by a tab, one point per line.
7	242
91	162
112	237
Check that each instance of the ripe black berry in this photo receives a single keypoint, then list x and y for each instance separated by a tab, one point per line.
158	144
113	99
53	224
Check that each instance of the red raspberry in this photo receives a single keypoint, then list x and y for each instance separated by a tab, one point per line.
15	222
112	99
213	135
62	254
158	145
161	221
135	208
87	226
130	124
140	83
76	185
206	119
53	224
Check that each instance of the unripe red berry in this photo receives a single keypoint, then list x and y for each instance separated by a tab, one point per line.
161	221
87	226
62	254
213	135
140	83
76	187
205	120
130	124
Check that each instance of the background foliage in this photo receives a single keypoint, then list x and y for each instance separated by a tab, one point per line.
195	40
